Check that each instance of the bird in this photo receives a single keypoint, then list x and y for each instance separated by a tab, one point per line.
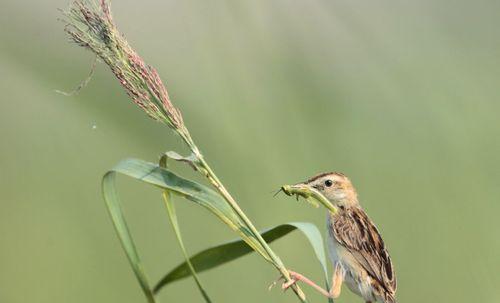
358	253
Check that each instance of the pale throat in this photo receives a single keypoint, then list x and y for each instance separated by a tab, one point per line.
347	199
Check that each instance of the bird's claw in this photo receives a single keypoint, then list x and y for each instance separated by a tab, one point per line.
287	285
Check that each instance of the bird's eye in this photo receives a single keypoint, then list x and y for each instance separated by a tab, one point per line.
328	183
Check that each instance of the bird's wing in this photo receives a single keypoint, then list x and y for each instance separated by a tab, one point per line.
355	231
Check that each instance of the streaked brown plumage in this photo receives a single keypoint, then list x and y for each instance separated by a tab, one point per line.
357	250
352	229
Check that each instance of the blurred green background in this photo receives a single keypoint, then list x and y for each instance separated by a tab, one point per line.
402	96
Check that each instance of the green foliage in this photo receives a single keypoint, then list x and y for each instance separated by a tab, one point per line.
201	195
175	224
153	174
116	213
229	251
172	214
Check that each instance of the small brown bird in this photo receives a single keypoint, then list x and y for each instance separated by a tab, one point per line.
357	251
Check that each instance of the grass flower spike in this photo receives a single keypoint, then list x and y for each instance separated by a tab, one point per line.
91	25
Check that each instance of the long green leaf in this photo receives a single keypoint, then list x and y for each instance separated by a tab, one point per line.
166	180
153	174
172	214
115	211
175	224
226	252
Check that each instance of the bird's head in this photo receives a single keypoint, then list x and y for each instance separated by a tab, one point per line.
336	188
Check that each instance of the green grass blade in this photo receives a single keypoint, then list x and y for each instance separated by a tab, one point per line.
154	175
316	241
172	214
175	225
226	252
116	213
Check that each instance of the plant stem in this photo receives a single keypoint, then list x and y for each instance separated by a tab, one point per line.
214	180
227	196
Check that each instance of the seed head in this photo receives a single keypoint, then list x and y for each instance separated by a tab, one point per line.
89	23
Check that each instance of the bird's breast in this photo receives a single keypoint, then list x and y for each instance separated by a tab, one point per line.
334	247
337	252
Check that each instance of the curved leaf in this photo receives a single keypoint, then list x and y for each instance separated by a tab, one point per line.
192	160
226	252
172	214
162	178
202	195
153	174
115	211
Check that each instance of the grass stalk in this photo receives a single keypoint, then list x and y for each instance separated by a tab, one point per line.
89	23
227	196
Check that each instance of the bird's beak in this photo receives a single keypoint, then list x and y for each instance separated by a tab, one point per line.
309	193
